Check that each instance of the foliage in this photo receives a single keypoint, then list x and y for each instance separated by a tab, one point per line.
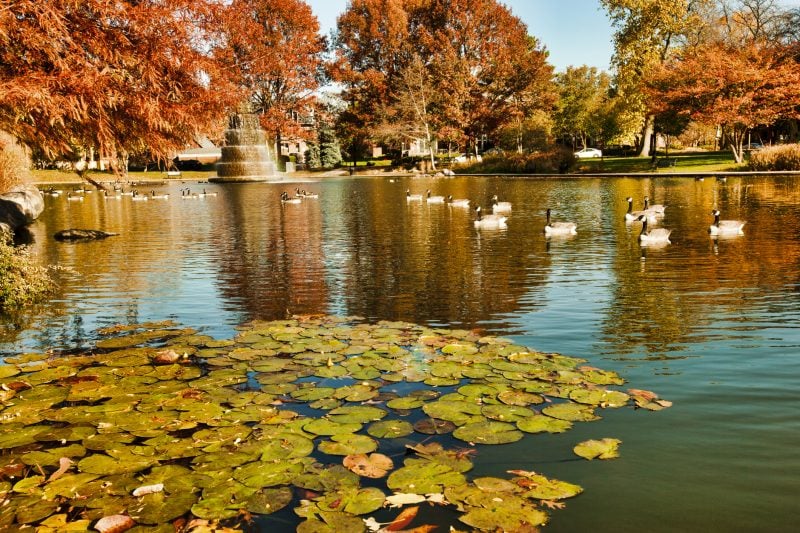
275	49
780	157
330	154
22	281
114	75
477	85
736	87
556	160
14	163
527	133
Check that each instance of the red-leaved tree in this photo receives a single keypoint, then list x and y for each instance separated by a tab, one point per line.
118	76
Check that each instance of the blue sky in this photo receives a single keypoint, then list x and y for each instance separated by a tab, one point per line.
575	32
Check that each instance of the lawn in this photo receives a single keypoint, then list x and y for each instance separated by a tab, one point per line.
686	162
63	176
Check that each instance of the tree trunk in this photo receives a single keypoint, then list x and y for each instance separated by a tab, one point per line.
647	135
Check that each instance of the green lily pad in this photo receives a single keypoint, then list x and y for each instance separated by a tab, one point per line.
360	414
268	501
332	522
310	394
572	412
160	508
434	426
488	433
390	429
285	446
424	478
264	474
12	437
459	413
506	514
105	465
543	424
506	413
353	501
326	427
599	397
348	444
542	488
521	398
598	449
405	403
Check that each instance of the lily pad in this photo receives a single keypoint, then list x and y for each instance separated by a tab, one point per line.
424	478
374	465
488	433
598	449
572	412
543	424
390	429
347	444
268	501
599	397
321	426
434	426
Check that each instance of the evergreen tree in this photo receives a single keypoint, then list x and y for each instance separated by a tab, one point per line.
313	159
330	151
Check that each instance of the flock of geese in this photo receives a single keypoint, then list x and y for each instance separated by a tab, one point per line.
497	219
649	216
298	197
118	192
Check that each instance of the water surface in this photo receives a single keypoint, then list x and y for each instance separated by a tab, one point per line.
711	324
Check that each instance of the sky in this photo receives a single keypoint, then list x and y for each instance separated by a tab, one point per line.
575	32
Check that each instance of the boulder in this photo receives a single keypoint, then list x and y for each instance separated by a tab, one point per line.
21	206
82	234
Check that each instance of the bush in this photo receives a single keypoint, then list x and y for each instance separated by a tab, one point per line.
781	157
22	281
556	160
14	163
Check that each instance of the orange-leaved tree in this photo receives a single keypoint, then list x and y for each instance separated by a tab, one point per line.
736	87
277	54
118	76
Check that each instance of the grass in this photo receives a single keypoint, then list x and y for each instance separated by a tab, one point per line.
63	176
685	162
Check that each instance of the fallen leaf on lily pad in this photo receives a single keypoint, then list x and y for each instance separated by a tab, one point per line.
598	449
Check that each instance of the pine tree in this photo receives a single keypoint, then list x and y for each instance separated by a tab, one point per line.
330	151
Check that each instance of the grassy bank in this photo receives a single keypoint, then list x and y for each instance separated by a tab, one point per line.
684	162
62	176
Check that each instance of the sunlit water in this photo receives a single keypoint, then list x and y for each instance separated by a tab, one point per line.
711	325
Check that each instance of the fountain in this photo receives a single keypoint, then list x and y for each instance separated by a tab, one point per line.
245	156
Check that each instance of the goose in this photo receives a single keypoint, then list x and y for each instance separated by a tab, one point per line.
204	194
53	192
655	236
458	202
500	207
155	196
433	199
655	208
127	193
559	228
139	197
304	194
489	221
116	196
725	227
632	215
413	197
286	199
74	197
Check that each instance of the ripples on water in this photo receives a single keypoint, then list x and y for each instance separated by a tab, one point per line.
710	324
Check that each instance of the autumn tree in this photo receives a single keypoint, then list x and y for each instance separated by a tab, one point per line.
646	32
117	76
277	57
471	56
736	87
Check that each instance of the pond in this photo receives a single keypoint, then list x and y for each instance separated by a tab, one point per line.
709	324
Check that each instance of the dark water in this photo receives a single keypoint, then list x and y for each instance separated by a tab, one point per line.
710	324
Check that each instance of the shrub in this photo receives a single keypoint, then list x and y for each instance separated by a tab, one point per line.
14	163
780	157
22	281
556	160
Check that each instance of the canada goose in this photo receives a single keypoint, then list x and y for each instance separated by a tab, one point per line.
433	199
632	215
559	228
53	192
725	227
186	194
500	207
286	199
139	197
458	202
116	196
413	197
489	221
655	208
74	197
155	196
655	236
127	193
204	194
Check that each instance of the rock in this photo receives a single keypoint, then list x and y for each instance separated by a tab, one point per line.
21	206
82	234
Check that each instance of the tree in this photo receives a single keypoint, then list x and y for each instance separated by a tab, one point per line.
277	53
736	87
117	76
474	56
646	32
